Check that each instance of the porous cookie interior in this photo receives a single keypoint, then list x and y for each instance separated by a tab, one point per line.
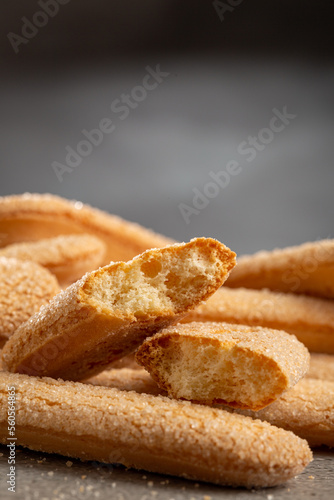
154	284
205	371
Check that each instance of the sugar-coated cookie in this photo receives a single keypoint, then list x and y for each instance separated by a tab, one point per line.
240	366
109	312
24	288
307	269
321	367
149	432
307	410
31	217
68	257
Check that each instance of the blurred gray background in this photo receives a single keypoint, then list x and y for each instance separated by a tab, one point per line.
228	68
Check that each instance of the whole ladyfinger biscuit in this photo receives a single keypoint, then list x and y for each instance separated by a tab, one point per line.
310	319
308	269
31	217
24	288
108	313
321	367
150	432
240	366
307	410
67	257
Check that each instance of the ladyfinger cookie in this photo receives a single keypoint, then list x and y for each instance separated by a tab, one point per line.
307	410
109	312
310	319
67	257
31	217
321	367
149	432
240	366
127	379
307	269
24	288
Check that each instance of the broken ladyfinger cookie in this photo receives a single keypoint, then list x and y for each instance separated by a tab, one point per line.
109	312
240	366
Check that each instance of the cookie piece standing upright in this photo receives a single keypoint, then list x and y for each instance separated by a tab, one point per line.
311	319
307	269
31	217
24	288
67	257
149	432
109	312
240	366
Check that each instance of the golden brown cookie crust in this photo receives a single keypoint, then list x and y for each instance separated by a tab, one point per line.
127	379
307	410
24	288
240	366
31	217
150	432
321	367
67	257
310	319
306	269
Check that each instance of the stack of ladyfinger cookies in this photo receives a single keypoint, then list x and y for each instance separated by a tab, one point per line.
123	347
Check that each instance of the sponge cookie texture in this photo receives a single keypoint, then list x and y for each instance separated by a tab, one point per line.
109	312
243	367
150	432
